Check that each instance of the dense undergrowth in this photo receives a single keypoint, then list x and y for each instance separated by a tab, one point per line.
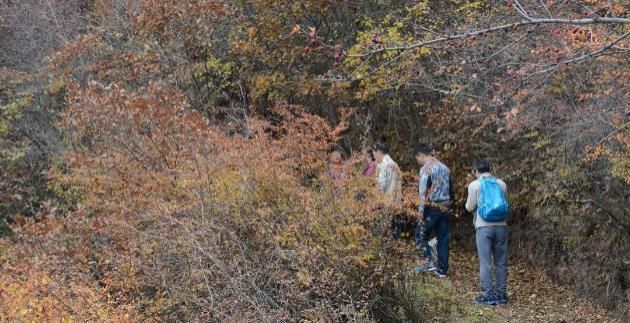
175	220
164	159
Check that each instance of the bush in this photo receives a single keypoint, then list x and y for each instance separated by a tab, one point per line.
181	220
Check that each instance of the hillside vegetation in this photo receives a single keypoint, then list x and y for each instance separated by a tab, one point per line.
166	160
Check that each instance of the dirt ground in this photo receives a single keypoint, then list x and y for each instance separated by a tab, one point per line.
532	295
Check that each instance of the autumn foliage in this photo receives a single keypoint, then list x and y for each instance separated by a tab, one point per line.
166	160
184	220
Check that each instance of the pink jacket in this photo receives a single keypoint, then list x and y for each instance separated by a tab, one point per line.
370	169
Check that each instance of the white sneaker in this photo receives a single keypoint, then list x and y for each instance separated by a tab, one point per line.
428	267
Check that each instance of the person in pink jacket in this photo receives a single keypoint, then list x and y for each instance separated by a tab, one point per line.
370	168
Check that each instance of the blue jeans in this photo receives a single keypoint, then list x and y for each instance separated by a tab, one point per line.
492	246
440	221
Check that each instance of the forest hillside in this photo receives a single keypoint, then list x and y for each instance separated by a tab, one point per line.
169	160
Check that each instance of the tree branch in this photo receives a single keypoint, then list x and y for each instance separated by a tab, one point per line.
586	56
525	22
599	206
608	136
520	9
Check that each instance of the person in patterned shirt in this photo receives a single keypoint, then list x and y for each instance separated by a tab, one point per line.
434	209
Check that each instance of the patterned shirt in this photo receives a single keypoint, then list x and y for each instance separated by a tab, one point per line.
434	184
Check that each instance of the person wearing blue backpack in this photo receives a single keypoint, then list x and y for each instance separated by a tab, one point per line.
487	197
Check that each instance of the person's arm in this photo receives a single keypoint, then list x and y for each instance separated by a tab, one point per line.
393	179
371	169
471	201
422	189
384	177
451	196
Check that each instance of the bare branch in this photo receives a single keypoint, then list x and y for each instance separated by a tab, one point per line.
608	136
542	3
592	54
359	67
599	206
520	9
489	57
532	21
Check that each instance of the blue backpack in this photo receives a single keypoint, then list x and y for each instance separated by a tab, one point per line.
492	206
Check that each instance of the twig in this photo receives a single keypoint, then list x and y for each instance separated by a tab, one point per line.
608	136
520	9
583	7
593	54
542	2
525	22
359	67
370	73
601	207
487	58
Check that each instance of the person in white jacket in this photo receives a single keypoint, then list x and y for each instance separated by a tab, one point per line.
389	176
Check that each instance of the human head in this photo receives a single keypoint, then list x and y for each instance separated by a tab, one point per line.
369	155
380	150
422	152
481	166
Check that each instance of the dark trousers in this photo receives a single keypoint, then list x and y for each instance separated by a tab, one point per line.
440	222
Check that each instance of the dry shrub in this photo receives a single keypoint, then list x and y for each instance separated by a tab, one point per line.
182	220
45	274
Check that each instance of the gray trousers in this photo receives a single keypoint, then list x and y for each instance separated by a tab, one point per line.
492	246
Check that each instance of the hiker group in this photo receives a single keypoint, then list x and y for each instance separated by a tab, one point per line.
487	200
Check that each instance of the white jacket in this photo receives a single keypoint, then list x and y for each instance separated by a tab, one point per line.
389	181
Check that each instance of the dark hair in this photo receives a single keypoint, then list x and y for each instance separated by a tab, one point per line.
421	149
370	153
380	147
482	166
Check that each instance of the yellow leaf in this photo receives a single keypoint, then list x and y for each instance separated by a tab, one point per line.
46	280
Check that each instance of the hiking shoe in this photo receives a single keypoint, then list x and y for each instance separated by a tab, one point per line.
439	274
429	267
502	298
486	300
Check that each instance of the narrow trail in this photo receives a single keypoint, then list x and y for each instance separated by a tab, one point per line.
532	295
